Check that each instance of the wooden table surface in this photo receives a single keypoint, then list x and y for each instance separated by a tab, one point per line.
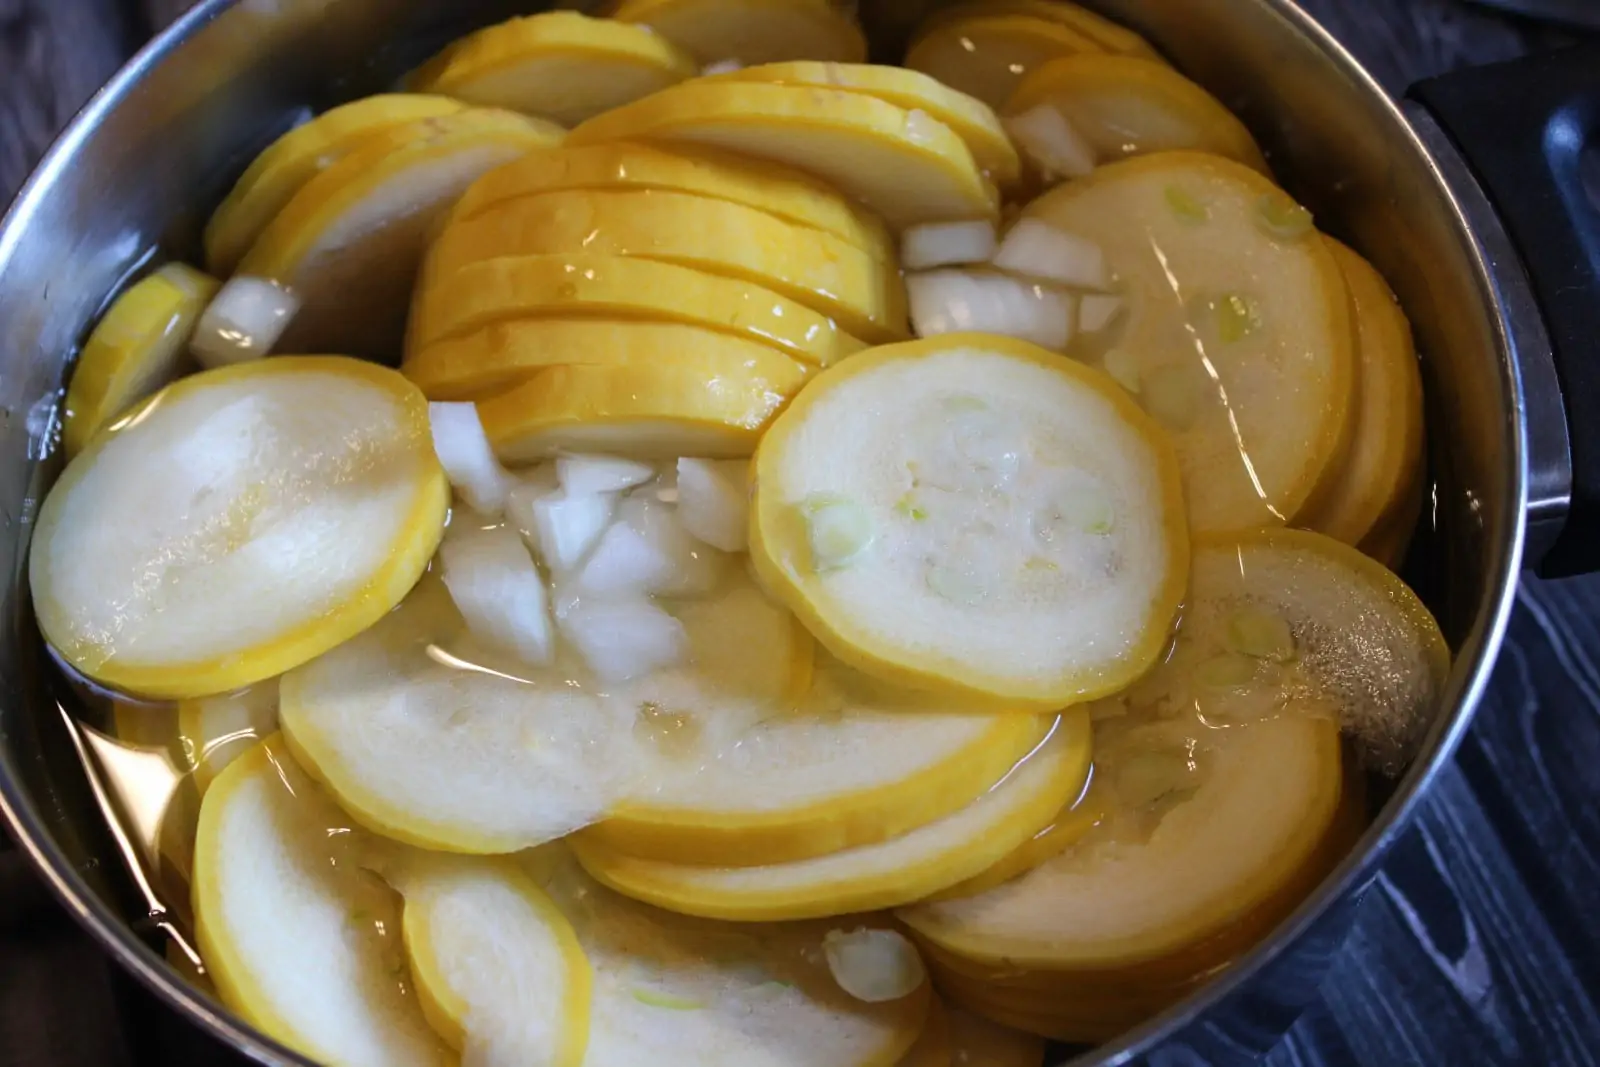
1477	945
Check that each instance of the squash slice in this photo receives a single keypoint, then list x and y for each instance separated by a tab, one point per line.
904	164
558	65
974	514
751	31
897	871
1236	332
304	487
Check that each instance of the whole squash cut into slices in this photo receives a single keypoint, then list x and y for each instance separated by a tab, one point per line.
782	191
751	31
974	514
559	65
298	932
287	164
904	164
1126	106
303	487
861	291
349	242
1236	332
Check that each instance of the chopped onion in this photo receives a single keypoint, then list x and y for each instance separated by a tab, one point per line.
1037	249
498	591
838	530
943	244
563	528
946	301
624	639
1050	143
873	965
242	322
468	461
1097	311
645	551
721	66
601	474
713	504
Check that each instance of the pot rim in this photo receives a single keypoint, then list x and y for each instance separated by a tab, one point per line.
1469	678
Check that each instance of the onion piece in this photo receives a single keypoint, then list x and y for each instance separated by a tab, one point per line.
581	475
943	244
562	528
873	965
468	460
947	301
721	66
242	322
624	639
1036	249
1051	143
498	591
713	504
645	551
1097	311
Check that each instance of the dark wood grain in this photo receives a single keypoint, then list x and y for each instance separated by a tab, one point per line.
1478	944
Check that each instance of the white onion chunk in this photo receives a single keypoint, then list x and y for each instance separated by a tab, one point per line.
713	504
468	460
946	244
581	475
498	591
624	639
242	322
950	301
1036	249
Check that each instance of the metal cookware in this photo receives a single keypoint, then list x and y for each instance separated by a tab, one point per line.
1447	216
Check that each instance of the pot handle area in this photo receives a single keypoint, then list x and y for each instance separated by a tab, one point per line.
1529	130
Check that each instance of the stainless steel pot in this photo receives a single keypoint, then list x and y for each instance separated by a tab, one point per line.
156	148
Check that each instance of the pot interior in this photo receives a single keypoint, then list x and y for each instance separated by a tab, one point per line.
137	175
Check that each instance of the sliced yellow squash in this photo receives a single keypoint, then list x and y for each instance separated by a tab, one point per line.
598	286
1111	36
698	405
782	191
1387	443
1125	106
349	242
300	937
498	970
979	1042
861	291
751	31
1236	331
489	361
215	731
717	995
905	165
969	118
853	765
1224	766
305	487
902	869
138	346
560	65
987	55
976	514
425	737
279	172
